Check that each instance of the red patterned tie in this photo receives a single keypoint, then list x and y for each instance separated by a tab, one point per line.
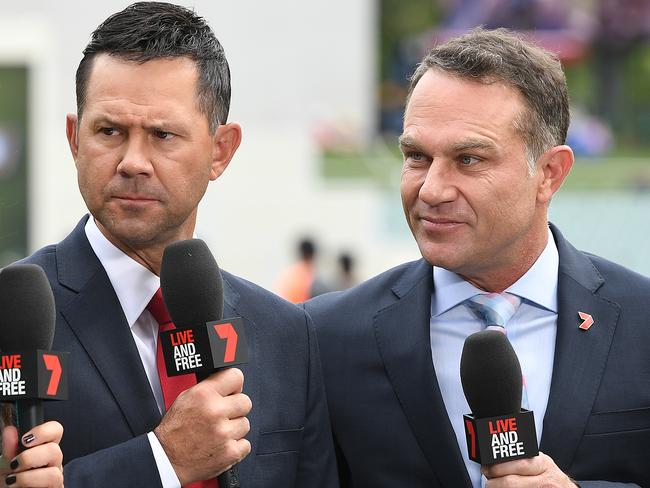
171	386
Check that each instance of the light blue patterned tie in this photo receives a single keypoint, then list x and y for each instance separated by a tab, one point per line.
495	310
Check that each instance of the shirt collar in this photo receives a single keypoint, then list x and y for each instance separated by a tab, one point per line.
134	284
538	285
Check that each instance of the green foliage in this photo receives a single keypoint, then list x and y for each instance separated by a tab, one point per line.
13	171
403	19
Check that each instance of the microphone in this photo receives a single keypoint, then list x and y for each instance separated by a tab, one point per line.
202	342
498	430
29	371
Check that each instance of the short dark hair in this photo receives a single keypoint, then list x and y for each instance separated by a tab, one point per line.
500	55
145	31
307	248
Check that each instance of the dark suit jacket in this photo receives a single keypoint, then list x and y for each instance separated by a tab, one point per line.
389	421
111	405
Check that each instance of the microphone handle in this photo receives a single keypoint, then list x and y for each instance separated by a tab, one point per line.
229	478
29	414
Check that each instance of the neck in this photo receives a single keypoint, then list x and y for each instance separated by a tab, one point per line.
498	278
148	255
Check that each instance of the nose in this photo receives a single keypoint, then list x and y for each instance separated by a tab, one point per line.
439	186
136	159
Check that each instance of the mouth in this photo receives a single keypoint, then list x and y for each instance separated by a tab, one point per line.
134	200
439	224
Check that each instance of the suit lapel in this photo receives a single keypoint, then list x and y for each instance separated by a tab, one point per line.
580	355
96	318
402	332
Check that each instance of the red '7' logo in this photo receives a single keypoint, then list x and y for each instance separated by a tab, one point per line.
469	428
53	364
227	332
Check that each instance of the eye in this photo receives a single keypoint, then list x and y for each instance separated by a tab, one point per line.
466	160
161	134
108	131
414	156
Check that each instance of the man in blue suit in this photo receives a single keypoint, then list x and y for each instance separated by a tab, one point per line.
483	148
150	133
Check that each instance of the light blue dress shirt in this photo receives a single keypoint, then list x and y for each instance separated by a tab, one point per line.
531	331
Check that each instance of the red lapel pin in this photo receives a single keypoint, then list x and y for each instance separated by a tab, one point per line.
587	321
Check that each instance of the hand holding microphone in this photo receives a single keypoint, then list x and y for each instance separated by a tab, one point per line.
203	431
40	464
29	373
500	434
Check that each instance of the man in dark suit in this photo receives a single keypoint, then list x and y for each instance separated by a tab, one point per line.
150	133
483	146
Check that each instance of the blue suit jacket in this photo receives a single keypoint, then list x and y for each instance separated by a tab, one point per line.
389	421
111	405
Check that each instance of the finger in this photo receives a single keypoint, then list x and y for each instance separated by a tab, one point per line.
513	480
9	442
226	382
235	406
242	448
238	428
233	452
50	477
37	457
522	467
41	434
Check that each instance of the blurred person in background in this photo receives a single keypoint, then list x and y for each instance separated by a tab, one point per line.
621	27
346	277
149	135
484	152
301	281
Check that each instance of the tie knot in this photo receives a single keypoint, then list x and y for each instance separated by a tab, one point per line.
157	308
494	308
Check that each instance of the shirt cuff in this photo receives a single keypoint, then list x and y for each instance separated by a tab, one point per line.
167	474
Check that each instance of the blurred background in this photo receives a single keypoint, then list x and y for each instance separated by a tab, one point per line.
318	88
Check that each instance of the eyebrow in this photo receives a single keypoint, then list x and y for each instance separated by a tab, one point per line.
472	143
105	119
407	142
159	124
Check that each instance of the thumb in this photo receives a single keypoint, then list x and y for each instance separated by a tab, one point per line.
9	442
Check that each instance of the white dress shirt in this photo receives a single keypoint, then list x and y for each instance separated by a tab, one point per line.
531	331
134	286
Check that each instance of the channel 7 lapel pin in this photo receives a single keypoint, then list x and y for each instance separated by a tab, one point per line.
587	321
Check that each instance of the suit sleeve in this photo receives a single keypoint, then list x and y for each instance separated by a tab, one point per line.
130	464
317	464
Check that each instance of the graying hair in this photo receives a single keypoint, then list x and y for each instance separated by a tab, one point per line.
499	55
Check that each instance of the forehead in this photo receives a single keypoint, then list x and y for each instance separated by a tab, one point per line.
158	83
444	102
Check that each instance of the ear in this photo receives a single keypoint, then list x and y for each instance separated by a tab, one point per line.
554	166
226	141
71	134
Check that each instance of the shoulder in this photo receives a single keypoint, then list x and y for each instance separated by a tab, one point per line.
367	297
599	275
618	280
45	258
257	303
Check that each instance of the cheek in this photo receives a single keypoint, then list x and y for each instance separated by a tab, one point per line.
409	188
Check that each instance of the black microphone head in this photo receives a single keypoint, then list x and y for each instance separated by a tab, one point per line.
490	374
28	313
191	283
